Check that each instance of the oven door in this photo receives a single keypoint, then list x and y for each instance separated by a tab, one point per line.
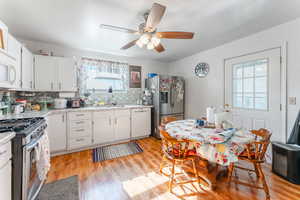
31	182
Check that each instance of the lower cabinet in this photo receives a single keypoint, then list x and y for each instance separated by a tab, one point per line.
57	132
110	126
140	122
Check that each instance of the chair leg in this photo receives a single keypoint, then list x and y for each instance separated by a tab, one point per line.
230	171
162	163
256	170
172	176
196	171
262	177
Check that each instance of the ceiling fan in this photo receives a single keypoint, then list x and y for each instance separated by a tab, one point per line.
149	37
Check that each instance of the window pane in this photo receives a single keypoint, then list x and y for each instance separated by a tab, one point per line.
238	71
238	85
261	84
248	100
261	101
261	69
249	70
249	85
237	100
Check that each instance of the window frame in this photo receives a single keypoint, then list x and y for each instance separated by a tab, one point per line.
254	78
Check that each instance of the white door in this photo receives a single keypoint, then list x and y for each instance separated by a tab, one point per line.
252	88
27	69
67	74
103	127
46	73
122	124
57	132
140	122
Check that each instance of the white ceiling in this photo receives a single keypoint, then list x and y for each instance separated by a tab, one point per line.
75	23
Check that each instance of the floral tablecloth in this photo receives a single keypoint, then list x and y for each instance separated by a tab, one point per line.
216	145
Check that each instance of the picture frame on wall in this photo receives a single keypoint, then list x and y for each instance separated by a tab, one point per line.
135	76
1	40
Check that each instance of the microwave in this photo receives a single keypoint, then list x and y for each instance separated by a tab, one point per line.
8	71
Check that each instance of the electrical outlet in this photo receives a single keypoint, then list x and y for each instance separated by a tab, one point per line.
292	100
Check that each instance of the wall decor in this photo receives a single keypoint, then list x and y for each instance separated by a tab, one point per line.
135	74
202	69
1	40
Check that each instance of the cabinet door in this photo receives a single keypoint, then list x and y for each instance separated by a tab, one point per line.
122	124
140	122
103	127
46	73
67	74
5	181
14	50
57	132
27	69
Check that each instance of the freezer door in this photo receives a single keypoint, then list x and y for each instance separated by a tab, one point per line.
177	95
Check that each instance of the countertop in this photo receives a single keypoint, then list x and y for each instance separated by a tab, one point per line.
33	114
5	137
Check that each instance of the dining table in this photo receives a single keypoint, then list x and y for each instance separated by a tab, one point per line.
215	147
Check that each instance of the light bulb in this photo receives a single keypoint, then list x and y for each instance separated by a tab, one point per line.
139	43
155	41
150	46
145	38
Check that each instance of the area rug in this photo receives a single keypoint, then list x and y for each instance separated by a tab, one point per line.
116	151
64	189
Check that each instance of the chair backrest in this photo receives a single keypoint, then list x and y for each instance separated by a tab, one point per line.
168	119
262	137
173	147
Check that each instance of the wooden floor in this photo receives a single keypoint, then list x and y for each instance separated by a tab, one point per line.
136	177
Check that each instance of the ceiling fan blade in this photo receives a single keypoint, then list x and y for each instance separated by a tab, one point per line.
130	44
117	28
159	48
156	13
175	35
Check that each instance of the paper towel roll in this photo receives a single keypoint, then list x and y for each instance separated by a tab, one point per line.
210	114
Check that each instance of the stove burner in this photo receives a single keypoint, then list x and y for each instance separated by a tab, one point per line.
18	125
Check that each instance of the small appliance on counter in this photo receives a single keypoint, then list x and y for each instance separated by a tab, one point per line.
73	103
60	103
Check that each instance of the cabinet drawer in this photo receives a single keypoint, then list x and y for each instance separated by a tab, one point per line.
140	110
5	153
119	113
76	143
80	132
79	115
80	123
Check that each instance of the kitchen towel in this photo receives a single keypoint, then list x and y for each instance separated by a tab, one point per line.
42	152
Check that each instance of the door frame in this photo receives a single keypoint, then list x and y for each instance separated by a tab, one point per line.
283	80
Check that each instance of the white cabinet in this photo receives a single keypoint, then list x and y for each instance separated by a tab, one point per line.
5	171
110	126
27	69
57	132
54	73
140	122
79	130
14	50
103	126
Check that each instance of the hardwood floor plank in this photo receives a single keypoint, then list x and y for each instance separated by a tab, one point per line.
137	177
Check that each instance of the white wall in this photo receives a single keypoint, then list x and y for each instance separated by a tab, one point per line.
148	66
204	92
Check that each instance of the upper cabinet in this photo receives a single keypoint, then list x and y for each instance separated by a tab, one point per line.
14	50
55	73
27	69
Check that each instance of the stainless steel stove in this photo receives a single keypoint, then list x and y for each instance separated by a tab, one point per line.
25	183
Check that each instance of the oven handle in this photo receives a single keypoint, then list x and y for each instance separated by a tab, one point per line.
32	144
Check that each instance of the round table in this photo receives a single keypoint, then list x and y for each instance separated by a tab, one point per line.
216	146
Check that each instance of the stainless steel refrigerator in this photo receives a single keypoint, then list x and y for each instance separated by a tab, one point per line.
168	98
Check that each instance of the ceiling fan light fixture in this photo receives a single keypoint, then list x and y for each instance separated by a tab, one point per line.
145	38
150	46
139	43
155	41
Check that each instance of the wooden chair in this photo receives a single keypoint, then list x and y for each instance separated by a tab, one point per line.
254	153
174	152
168	119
